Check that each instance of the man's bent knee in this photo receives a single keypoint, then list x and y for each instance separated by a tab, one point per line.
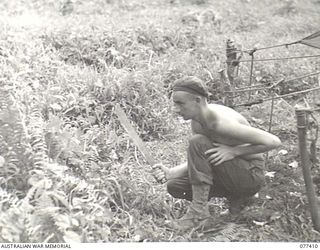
179	189
199	169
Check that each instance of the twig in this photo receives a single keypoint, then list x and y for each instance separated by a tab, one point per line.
251	72
271	112
150	58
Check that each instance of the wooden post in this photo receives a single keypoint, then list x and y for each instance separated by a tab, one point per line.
232	60
302	122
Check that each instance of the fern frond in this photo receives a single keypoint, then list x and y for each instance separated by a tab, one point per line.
3	145
13	146
12	217
37	141
4	96
7	199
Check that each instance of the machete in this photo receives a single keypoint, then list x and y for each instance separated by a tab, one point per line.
135	138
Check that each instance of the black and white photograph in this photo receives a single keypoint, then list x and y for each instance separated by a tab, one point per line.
139	122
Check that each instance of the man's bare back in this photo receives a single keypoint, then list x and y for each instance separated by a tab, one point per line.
221	116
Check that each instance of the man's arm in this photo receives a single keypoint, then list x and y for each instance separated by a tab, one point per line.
178	171
248	140
162	172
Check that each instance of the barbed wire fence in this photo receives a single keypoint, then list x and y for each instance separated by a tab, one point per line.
307	124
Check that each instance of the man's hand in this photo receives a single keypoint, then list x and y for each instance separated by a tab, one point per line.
160	172
220	153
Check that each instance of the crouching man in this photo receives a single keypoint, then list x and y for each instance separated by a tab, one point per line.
223	157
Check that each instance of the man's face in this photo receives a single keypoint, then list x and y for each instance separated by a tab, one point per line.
184	104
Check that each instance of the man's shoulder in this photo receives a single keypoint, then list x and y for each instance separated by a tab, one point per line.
224	113
217	107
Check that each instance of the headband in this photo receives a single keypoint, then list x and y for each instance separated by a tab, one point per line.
191	90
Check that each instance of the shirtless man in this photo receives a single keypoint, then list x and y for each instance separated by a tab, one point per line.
224	155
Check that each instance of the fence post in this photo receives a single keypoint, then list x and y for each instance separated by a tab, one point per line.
302	122
233	58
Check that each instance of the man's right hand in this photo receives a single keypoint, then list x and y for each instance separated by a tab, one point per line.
160	172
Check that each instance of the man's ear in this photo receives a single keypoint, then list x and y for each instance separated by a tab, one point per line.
198	99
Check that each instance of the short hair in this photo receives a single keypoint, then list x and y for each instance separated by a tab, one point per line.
192	85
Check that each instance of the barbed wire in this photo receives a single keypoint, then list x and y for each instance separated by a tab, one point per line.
276	97
263	87
272	59
236	60
250	51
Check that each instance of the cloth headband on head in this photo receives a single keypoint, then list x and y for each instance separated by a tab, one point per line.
190	90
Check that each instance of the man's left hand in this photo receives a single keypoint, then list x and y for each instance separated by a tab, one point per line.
220	153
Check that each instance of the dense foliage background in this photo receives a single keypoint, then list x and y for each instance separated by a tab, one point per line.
69	173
